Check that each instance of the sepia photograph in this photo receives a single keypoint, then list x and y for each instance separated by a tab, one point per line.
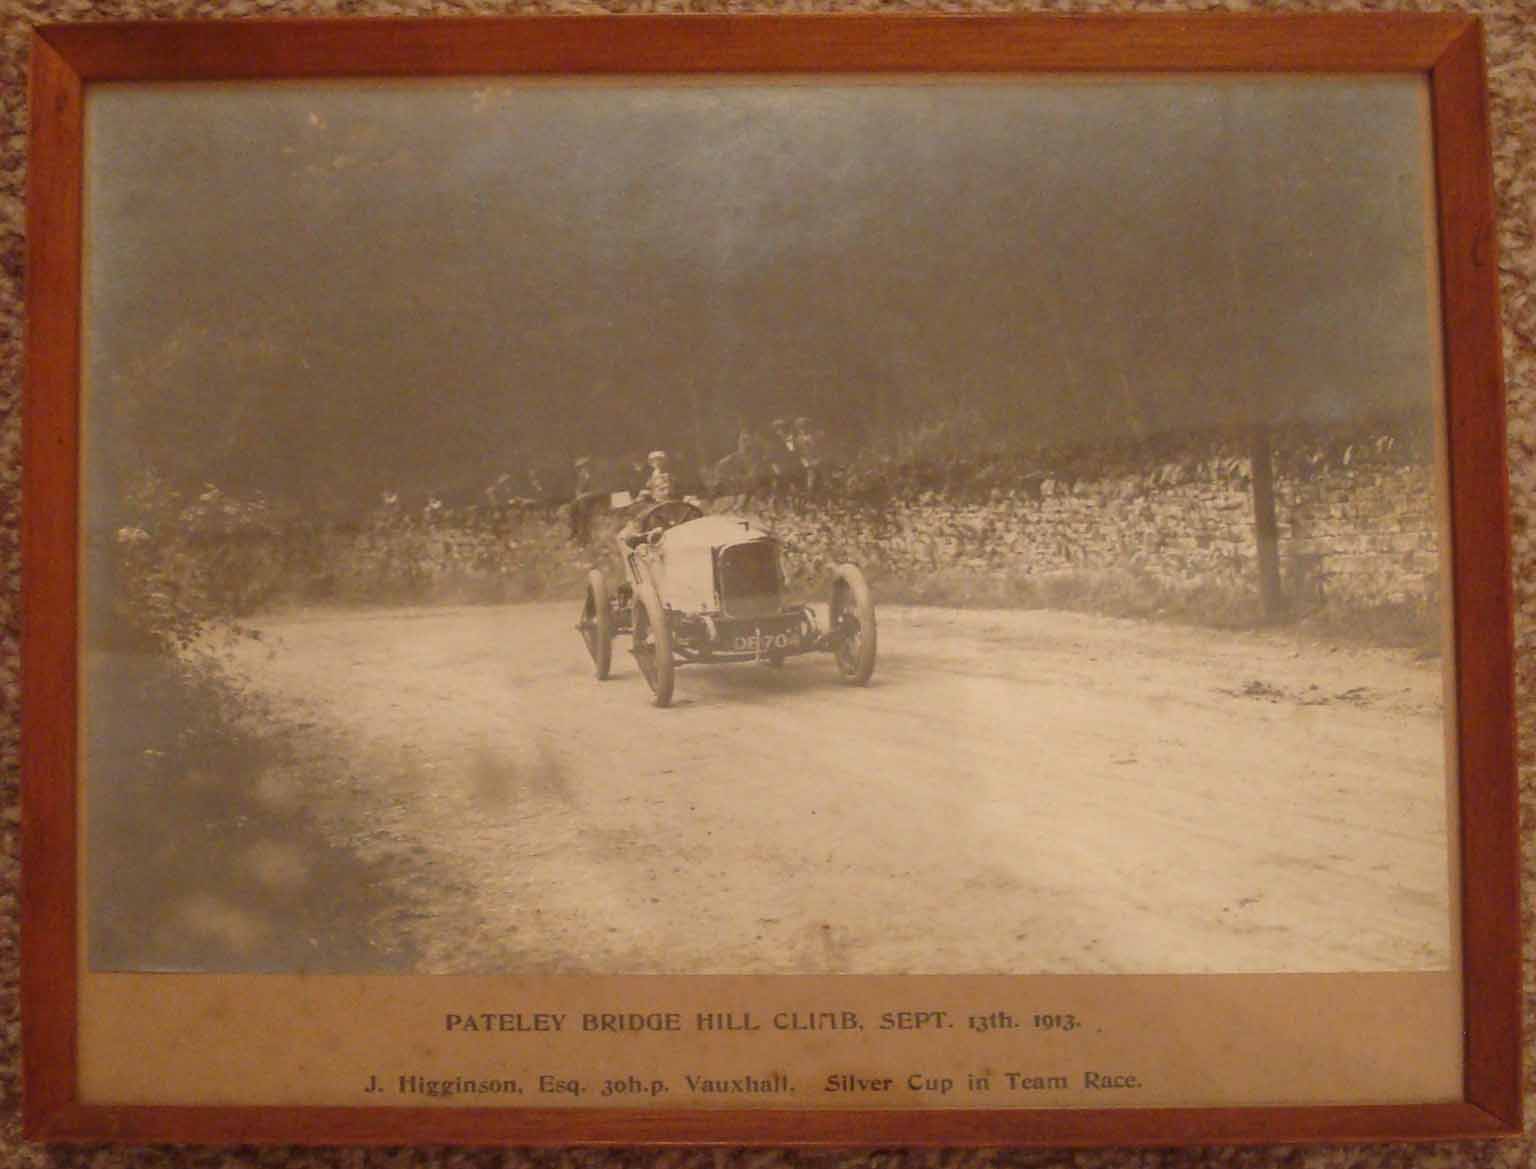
936	525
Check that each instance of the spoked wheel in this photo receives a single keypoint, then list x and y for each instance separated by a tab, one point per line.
596	623
852	624
653	645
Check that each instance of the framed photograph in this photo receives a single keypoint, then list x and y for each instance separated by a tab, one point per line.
767	581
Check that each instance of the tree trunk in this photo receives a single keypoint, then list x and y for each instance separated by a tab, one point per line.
1266	529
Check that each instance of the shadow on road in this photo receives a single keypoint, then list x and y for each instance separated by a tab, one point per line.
748	682
202	849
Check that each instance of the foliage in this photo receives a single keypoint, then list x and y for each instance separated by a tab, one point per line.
182	565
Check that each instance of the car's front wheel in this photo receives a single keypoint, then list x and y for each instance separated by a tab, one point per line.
852	625
653	644
596	623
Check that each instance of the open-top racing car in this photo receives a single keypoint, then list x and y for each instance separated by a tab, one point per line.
710	588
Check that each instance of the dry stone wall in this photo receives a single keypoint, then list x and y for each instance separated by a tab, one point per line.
1135	531
1357	524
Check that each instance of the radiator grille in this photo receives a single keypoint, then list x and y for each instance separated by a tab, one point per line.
749	579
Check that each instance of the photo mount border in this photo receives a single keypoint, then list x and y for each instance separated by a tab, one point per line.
1445	49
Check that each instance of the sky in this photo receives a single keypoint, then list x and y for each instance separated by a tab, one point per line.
314	288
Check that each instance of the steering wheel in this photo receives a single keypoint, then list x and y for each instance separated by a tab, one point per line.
668	514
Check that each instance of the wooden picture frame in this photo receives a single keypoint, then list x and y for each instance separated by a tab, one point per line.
1444	50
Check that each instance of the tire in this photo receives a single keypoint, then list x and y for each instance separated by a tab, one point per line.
653	645
852	616
596	623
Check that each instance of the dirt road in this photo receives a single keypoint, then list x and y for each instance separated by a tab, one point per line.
1016	791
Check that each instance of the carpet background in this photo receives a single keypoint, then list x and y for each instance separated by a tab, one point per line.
1511	29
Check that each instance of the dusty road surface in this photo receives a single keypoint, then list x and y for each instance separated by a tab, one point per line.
1015	792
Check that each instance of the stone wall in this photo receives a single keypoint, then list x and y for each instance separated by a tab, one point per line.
1357	522
1162	531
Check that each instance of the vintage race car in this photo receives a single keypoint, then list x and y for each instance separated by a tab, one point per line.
710	588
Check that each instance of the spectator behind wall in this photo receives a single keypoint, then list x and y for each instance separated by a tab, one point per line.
783	463
585	502
739	472
808	445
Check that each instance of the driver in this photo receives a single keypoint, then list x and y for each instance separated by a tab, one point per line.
659	488
659	485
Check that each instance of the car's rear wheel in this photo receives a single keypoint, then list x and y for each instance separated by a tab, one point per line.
597	623
653	644
852	625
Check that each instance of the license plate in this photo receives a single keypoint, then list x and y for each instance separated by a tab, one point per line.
762	642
